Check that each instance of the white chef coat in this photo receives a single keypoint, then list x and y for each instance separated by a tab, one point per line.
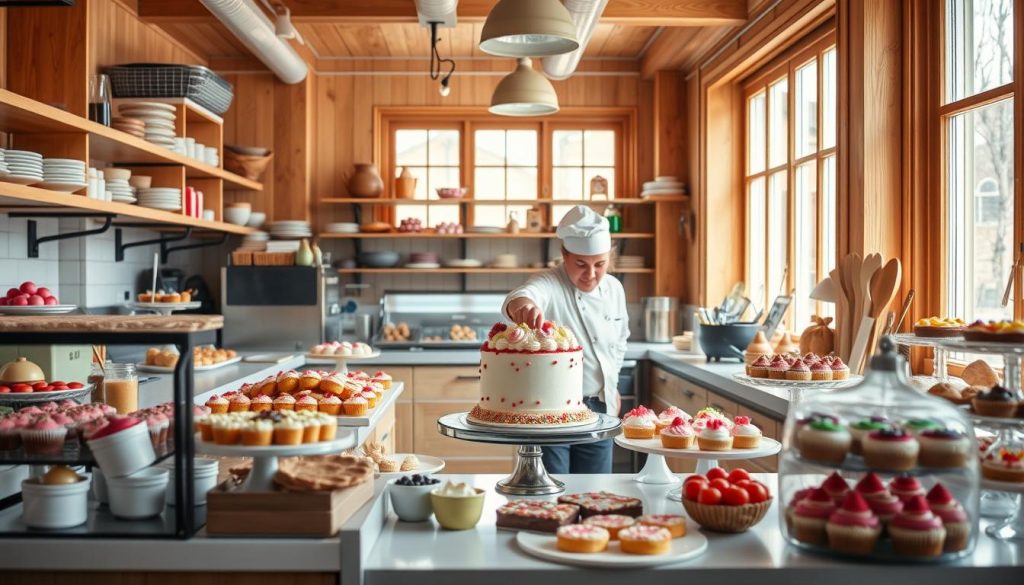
598	319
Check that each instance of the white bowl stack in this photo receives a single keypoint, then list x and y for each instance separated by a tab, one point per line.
159	120
63	174
342	227
629	262
25	167
290	230
663	186
254	242
165	198
4	171
120	190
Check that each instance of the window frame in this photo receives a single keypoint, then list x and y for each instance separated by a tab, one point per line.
810	48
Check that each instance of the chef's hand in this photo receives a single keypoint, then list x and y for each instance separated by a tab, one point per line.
523	310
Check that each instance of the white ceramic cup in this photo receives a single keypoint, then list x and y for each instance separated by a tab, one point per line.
208	215
411	502
125	452
140	495
204	479
55	506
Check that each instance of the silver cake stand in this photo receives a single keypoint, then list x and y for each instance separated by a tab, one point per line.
529	478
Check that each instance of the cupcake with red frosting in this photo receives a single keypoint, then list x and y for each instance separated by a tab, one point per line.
811	515
953	516
881	501
917	531
820	371
791	507
217	404
905	487
799	372
943	448
43	435
778	368
759	369
853	528
678	435
891	449
836	487
745	435
261	403
840	371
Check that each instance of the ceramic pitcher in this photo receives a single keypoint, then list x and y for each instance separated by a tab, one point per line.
365	182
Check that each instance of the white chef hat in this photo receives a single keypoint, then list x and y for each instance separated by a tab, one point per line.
584	232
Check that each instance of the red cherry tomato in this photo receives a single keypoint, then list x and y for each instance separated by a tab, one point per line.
758	492
721	483
4	389
692	489
39	385
58	383
49	388
735	496
737	474
741	482
21	388
59	386
710	496
717	472
694	477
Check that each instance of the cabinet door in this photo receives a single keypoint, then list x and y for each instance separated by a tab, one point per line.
405	428
690	397
447	383
723	404
430	442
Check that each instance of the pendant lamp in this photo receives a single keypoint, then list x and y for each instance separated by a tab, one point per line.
524	92
528	28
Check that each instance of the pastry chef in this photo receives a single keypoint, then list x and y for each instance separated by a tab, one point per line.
580	295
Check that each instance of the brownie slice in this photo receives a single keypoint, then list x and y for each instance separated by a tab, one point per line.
595	503
539	516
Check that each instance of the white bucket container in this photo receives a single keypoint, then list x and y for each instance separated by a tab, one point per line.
139	495
125	452
54	506
99	486
204	479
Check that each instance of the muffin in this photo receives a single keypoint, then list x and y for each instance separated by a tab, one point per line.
998	401
330	405
284	402
356	406
258	433
383	378
890	449
825	441
287	381
744	434
309	380
217	404
954	518
239	403
306	403
810	517
853	528
328	427
862	428
261	403
943	448
679	435
288	431
227	431
916	531
906	487
267	386
370	396
310	429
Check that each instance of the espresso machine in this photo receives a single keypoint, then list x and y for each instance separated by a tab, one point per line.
279	308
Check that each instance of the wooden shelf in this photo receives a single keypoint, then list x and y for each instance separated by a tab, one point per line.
446	270
26	198
501	236
19	114
629	201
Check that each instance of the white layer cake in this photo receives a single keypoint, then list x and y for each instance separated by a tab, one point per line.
531	377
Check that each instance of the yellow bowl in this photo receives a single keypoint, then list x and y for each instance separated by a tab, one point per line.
458	513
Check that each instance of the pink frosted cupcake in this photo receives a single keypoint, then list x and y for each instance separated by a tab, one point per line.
239	403
306	403
853	528
68	423
43	436
261	403
284	402
157	424
330	405
10	433
954	518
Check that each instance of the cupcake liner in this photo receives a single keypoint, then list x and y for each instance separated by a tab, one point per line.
328	432
917	543
853	540
745	442
809	530
958	534
10	439
49	441
730	519
817	451
677	441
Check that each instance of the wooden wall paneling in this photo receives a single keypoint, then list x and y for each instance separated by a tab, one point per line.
670	267
213	194
120	37
45	57
694	172
293	154
250	122
55	145
670	120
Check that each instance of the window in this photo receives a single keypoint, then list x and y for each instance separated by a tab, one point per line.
505	164
791	187
978	124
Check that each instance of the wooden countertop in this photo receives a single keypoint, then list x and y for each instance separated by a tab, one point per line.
112	323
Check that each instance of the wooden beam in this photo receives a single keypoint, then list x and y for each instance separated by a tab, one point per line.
631	12
680	48
293	149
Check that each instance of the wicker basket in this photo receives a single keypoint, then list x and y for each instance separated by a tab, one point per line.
273	258
722	518
241	258
250	167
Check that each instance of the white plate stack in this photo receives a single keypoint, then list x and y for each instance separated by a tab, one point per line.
158	118
120	191
290	230
63	174
25	167
4	171
664	187
165	198
284	246
629	262
254	242
342	227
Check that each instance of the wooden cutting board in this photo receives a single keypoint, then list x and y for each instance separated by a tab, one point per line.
112	323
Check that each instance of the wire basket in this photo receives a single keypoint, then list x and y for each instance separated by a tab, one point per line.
153	80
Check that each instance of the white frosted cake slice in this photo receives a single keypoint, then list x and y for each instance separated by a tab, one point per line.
531	377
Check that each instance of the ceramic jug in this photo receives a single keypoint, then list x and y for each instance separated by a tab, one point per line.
365	182
405	185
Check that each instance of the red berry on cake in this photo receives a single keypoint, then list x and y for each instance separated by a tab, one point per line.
496	329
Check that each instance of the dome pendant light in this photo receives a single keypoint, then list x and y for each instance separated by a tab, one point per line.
528	28
524	92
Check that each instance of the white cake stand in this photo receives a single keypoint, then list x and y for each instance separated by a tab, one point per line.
341	361
264	459
705	459
529	478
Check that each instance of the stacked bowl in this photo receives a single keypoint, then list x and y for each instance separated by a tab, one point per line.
165	198
665	186
290	230
158	120
63	174
4	171
25	167
423	260
117	183
254	242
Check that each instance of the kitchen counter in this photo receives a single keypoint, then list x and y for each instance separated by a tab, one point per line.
425	554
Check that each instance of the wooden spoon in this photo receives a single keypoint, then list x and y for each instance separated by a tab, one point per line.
883	290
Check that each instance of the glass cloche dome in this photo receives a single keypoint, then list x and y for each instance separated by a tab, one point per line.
879	470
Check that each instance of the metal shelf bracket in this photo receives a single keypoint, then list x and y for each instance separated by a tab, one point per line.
33	234
120	246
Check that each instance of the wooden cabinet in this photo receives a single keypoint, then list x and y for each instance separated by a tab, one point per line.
447	383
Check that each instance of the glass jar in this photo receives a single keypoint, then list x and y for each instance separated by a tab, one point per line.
96	381
121	387
887	443
614	217
99	99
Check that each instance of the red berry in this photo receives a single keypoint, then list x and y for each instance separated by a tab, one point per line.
29	287
13	292
735	496
76	385
717	472
4	389
694	477
692	489
36	300
737	474
721	483
758	492
709	496
21	388
44	292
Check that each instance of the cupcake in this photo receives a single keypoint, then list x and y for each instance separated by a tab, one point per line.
678	435
333	383
811	516
205	427
803	422
383	378
954	518
158	425
836	487
1004	465
261	403
778	368
328	427
356	406
287	381
825	441
310	429
943	448
707	414
267	386
791	507
306	403
916	531
258	433
42	436
862	428
370	396
798	372
744	434
330	405
916	426
870	486
288	431
998	401
310	380
239	403
905	487
227	431
820	371
639	423
810	358
853	528
715	436
840	371
667	417
217	404
759	369
284	402
890	449
883	503
10	433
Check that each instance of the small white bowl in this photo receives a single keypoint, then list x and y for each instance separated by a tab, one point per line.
55	506
411	502
114	174
125	452
140	495
204	479
237	215
256	219
141	181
